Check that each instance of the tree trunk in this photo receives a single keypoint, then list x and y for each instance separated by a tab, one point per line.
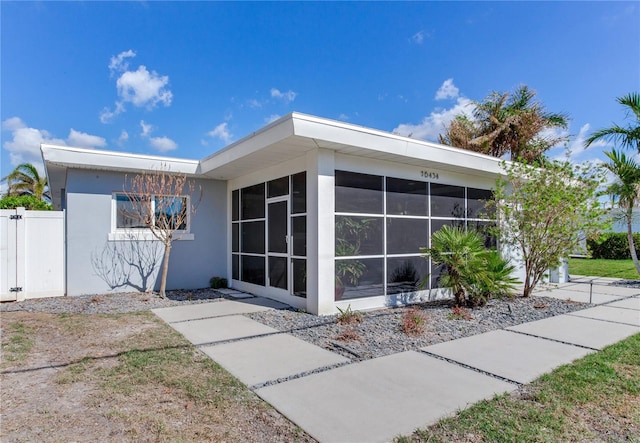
632	246
165	270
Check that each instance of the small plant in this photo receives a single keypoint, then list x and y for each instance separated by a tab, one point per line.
414	321
460	313
348	334
349	317
218	282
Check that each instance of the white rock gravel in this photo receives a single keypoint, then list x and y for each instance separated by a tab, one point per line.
377	335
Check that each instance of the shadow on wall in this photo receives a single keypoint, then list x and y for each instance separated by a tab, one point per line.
130	264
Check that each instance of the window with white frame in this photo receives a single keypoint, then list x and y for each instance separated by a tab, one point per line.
167	212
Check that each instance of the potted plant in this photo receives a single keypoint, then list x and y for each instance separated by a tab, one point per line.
347	270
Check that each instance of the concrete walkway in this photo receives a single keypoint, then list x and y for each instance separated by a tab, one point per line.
336	400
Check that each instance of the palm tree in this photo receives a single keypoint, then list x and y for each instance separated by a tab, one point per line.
506	123
625	192
25	179
628	137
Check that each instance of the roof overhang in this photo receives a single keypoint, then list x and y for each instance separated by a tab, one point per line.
58	159
293	135
287	138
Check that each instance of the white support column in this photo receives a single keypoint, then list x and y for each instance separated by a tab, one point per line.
320	232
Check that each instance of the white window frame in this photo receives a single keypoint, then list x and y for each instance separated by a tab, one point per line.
144	234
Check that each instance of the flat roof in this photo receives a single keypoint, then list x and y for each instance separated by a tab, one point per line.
288	137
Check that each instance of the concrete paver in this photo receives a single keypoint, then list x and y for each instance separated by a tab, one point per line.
216	309
577	296
508	354
611	313
627	303
378	399
272	357
599	288
211	330
581	331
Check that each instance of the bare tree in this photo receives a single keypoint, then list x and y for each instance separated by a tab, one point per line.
164	203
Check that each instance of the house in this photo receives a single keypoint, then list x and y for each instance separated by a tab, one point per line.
312	212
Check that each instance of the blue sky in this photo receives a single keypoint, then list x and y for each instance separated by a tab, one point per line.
185	79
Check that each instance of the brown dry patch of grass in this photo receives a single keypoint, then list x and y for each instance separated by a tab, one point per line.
125	377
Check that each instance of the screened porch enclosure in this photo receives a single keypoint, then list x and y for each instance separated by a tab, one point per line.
382	222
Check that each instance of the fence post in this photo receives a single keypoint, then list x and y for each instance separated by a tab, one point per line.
21	251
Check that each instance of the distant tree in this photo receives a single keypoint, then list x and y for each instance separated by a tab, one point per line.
505	123
163	202
628	137
625	192
25	179
24	201
544	213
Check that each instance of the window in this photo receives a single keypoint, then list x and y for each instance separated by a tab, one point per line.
169	212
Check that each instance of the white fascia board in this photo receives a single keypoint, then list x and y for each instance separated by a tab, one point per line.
346	134
115	161
264	137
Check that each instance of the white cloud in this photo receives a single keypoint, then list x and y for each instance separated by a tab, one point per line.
107	116
118	63
124	136
141	88
575	147
447	90
343	117
419	37
24	145
144	88
13	123
254	103
435	123
222	132
271	118
147	129
287	96
163	144
84	140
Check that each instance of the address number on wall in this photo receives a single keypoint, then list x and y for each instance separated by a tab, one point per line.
429	174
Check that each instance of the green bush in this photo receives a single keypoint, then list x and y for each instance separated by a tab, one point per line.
24	201
218	282
612	246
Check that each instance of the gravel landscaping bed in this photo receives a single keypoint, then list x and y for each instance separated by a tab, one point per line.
380	332
377	333
112	303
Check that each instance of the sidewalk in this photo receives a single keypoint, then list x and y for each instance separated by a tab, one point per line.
336	400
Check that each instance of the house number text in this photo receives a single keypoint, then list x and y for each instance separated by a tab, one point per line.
429	174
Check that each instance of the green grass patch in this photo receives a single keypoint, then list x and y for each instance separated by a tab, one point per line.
17	342
603	268
595	398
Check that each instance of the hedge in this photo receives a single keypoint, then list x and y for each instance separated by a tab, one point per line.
612	246
24	201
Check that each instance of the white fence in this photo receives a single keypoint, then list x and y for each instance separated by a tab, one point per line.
32	254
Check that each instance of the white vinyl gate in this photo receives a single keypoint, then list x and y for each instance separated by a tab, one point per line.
32	254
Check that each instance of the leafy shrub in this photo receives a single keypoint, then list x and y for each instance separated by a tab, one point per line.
349	317
612	246
29	202
473	272
218	282
414	321
460	313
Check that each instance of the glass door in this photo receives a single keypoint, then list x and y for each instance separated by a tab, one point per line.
278	243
